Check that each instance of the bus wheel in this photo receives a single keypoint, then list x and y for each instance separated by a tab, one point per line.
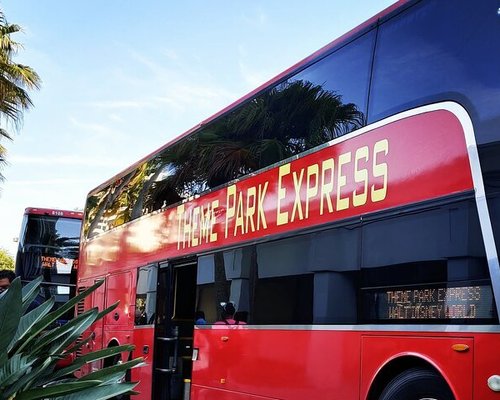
116	360
417	384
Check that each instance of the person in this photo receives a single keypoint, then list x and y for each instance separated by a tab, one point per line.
140	316
228	311
199	318
6	278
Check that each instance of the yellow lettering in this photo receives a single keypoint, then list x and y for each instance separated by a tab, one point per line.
230	205
213	235
282	217
380	170
251	196
261	216
312	189
205	224
342	203
196	213
239	215
326	187
180	213
297	204
360	176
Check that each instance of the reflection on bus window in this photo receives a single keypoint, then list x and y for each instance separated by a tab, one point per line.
145	299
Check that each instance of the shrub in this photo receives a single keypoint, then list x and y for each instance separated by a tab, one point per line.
30	348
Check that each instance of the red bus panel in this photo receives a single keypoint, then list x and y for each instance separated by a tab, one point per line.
399	161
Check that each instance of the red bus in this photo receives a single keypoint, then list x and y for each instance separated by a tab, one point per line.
350	211
49	245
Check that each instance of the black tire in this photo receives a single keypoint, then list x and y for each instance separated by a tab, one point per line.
417	384
114	360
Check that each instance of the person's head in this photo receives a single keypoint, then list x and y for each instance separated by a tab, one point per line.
199	315
6	278
228	310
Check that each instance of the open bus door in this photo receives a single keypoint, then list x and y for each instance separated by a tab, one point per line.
174	326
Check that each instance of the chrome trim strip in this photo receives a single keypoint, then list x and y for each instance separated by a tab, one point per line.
147	326
477	178
459	329
482	204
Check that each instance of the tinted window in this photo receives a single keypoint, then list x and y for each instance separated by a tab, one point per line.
145	298
324	101
52	231
427	265
264	291
440	50
49	246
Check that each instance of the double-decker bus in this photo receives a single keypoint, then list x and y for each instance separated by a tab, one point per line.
349	209
49	246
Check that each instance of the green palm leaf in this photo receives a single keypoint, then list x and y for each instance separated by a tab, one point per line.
71	329
30	319
10	314
27	371
50	318
13	369
100	392
26	381
30	291
114	369
56	390
94	356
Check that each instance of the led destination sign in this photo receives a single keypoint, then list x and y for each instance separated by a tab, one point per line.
429	303
61	264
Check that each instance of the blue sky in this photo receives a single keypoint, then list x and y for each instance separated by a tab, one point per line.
121	78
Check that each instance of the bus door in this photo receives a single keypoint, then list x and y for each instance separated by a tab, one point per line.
174	328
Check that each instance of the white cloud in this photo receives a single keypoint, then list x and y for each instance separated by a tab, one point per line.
115	117
66	160
253	77
98	129
121	104
51	182
170	54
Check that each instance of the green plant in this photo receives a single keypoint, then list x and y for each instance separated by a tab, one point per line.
6	260
30	348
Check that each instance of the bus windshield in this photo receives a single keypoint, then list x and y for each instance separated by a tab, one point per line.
49	247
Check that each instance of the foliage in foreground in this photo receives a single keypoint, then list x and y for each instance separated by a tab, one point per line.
30	347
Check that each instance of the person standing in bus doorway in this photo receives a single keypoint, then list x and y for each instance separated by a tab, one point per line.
6	278
228	311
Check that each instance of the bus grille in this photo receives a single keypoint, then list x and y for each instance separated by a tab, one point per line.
80	308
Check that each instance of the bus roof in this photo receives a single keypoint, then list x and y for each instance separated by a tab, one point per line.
53	212
294	68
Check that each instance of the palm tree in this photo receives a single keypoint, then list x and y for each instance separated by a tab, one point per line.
15	80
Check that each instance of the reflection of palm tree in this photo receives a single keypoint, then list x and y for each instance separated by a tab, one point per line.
287	120
157	188
105	203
